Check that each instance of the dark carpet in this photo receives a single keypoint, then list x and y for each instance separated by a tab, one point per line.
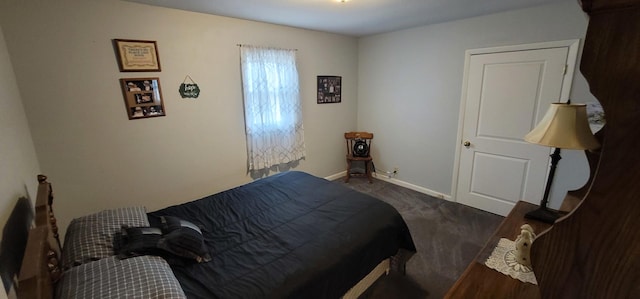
447	236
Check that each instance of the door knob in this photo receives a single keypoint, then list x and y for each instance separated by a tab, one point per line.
467	143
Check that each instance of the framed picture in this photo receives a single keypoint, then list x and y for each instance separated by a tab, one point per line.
329	89
137	55
142	97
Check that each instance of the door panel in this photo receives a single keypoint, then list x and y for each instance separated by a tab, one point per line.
518	99
507	178
504	184
507	93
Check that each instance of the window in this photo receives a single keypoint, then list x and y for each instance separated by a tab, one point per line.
272	109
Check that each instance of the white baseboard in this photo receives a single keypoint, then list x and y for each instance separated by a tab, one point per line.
336	176
399	183
414	187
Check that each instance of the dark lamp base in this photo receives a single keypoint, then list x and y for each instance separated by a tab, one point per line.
543	214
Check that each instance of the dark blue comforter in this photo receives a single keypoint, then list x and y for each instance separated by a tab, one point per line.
291	235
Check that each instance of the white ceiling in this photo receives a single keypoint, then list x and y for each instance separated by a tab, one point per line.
354	17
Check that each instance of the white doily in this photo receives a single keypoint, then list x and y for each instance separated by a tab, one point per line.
503	260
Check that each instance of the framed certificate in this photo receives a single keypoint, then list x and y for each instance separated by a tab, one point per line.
137	55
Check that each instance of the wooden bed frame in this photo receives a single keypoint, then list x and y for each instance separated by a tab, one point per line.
40	268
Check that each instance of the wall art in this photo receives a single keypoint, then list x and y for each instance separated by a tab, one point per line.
329	89
137	55
189	88
142	97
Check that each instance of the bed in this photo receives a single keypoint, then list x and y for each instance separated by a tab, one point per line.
291	235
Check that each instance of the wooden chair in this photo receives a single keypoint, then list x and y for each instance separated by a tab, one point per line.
359	149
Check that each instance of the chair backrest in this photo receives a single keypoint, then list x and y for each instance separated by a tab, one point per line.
363	142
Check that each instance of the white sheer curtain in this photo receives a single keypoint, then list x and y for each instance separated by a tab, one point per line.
272	109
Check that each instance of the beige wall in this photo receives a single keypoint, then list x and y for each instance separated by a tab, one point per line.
18	161
97	158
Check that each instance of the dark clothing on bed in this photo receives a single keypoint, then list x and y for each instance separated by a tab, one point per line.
291	235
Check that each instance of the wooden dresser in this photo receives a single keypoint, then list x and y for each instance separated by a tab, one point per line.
480	281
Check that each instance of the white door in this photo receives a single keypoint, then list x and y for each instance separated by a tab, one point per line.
507	93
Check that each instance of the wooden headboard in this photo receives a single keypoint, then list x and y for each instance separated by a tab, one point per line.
44	209
40	268
594	252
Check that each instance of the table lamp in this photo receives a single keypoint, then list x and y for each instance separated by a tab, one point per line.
564	126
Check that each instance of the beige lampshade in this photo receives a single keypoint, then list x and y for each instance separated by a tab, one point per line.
564	126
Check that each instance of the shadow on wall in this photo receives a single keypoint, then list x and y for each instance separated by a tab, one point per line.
14	242
257	174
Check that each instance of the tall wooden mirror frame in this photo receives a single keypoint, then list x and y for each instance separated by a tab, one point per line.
594	252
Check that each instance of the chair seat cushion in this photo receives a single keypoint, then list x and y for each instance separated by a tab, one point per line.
350	157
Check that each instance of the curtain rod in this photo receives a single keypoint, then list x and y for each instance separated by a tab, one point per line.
244	45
